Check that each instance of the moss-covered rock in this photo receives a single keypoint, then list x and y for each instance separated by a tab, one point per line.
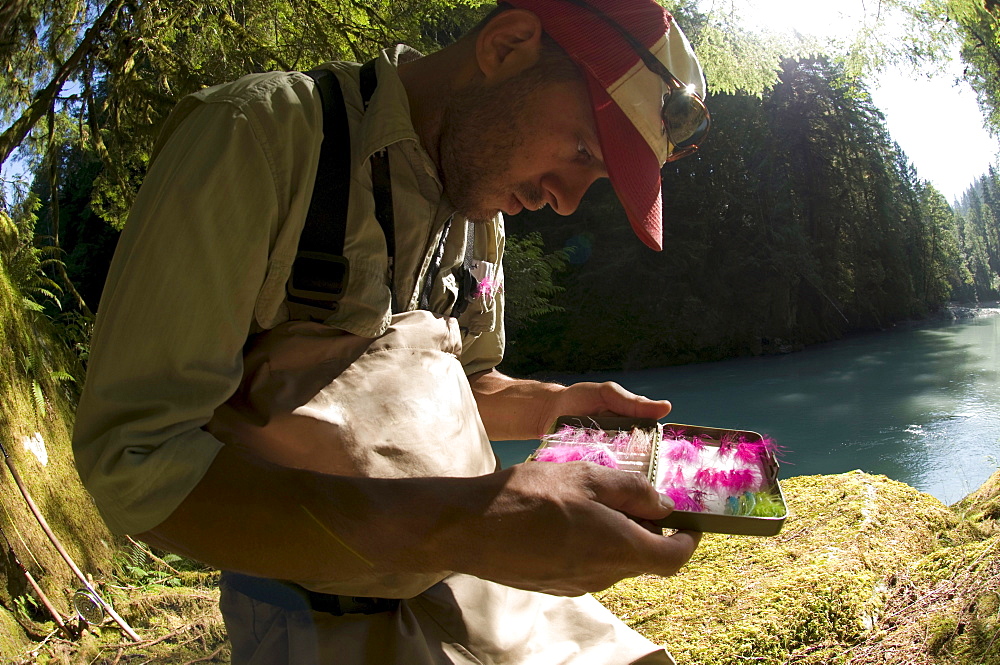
945	609
805	595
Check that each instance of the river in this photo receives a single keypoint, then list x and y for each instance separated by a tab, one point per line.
919	404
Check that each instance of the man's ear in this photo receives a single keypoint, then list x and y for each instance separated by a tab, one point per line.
509	44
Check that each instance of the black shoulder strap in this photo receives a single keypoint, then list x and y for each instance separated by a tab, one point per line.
320	272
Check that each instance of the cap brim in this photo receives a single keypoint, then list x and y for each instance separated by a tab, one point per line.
633	169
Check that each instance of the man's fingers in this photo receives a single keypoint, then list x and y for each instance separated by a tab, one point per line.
677	550
626	403
629	493
686	541
634	496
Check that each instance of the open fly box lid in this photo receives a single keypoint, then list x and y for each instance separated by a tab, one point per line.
653	467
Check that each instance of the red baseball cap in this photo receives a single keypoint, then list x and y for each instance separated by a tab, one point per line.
627	97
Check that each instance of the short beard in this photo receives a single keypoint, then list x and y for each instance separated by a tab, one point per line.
483	126
480	132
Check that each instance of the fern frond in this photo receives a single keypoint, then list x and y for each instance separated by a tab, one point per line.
38	397
45	263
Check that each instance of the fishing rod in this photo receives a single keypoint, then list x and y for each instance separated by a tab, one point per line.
62	551
60	624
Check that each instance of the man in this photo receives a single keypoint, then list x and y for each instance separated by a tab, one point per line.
527	110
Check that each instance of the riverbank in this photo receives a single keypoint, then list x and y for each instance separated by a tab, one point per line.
956	311
866	571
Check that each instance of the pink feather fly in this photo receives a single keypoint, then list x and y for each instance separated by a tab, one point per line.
680	450
488	287
753	452
687	500
675	480
707	478
737	481
577	453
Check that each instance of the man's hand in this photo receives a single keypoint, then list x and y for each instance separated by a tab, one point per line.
524	409
565	529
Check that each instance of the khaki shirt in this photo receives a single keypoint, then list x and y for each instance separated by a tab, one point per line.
205	257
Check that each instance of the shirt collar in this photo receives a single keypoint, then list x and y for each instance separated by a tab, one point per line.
387	120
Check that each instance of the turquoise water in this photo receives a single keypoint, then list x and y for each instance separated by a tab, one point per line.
919	404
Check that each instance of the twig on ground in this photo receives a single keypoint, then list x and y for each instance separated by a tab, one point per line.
207	658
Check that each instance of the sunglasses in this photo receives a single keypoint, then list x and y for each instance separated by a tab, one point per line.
686	119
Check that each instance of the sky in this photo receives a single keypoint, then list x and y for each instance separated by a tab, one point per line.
951	157
957	156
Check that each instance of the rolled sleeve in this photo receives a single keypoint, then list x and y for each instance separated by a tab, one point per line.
176	311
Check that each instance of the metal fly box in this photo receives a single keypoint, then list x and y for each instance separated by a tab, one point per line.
720	480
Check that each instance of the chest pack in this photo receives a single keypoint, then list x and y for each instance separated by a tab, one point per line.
321	271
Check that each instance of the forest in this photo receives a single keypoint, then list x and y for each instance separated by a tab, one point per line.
800	220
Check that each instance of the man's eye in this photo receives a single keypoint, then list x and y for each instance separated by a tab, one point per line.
582	149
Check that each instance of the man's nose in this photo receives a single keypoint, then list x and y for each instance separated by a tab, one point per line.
567	189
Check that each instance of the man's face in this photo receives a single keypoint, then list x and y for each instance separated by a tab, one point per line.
520	143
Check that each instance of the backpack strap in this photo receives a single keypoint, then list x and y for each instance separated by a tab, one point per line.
321	271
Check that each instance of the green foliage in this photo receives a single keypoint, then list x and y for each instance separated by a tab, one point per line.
979	240
24	260
917	33
529	272
735	59
137	565
980	49
75	328
26	266
27	607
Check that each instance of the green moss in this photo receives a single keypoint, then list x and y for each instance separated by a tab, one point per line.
866	571
949	562
12	637
816	588
940	631
963	637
